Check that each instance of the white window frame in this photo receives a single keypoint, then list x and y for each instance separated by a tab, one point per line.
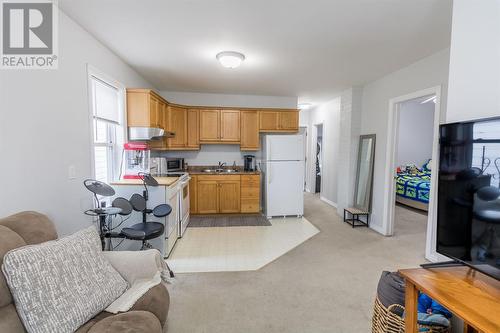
119	136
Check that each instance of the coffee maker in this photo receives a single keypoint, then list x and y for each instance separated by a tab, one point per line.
249	163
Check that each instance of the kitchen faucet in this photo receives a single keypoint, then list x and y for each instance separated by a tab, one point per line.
221	165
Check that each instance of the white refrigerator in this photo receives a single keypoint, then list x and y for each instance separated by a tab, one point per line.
282	166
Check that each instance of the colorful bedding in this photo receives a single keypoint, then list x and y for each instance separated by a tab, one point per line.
414	186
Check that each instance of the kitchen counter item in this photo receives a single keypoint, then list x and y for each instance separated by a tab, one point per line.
249	163
136	158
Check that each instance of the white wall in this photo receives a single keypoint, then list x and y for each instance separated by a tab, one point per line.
44	128
350	129
416	132
329	115
250	101
474	88
426	73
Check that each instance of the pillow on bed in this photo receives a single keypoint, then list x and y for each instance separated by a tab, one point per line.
427	166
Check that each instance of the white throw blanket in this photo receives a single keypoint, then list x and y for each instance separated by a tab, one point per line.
141	269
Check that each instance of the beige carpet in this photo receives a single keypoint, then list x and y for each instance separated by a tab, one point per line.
327	284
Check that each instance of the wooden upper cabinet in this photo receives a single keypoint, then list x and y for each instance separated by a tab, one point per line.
193	129
289	120
268	120
279	121
209	125
249	125
177	123
143	108
161	144
155	112
230	125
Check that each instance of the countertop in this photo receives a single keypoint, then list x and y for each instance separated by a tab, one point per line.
198	170
162	181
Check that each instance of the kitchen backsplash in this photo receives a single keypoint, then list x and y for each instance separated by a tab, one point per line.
211	155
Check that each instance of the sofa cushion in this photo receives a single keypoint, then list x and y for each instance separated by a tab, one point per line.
59	285
156	301
128	322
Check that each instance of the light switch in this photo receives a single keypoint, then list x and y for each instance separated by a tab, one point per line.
72	172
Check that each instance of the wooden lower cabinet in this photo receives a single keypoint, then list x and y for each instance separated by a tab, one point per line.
224	194
250	194
207	196
229	196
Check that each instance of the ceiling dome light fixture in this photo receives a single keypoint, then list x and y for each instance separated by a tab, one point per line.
230	59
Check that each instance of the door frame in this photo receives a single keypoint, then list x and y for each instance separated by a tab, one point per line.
312	164
390	186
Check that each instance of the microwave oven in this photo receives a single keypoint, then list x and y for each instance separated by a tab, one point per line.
163	165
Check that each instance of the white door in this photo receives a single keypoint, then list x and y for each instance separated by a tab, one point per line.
285	147
285	184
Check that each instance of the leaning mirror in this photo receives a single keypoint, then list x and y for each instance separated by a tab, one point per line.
364	173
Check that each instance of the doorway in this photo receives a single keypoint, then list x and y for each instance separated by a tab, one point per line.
318	157
425	200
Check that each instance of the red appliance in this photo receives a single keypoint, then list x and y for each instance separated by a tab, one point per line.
136	159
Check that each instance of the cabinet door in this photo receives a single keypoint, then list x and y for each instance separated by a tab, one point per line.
177	123
250	194
207	196
249	130
138	108
193	129
268	120
193	195
230	125
161	144
229	196
154	112
209	125
289	120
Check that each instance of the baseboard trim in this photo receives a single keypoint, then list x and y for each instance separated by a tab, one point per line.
331	203
378	229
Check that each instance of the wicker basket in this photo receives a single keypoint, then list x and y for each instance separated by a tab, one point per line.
386	321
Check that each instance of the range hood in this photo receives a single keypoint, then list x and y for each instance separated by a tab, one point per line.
148	133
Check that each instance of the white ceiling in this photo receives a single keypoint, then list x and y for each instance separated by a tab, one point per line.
312	49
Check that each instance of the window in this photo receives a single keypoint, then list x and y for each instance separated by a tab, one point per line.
107	127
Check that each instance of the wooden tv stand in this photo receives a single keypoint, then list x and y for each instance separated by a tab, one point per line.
467	293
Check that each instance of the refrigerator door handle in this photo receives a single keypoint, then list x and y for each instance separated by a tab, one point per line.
269	173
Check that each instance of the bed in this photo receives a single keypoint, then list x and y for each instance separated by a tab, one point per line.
412	189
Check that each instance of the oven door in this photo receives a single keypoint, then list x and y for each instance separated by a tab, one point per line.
184	205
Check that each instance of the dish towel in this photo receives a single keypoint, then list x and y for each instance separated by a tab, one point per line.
141	269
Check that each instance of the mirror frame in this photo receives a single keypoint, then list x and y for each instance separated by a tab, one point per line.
371	170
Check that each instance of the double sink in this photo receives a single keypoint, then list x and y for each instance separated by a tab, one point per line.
219	170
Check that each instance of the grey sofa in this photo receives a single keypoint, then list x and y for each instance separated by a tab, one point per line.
148	315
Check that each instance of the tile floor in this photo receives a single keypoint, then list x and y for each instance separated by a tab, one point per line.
238	248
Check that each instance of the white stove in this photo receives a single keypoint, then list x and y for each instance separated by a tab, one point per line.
181	190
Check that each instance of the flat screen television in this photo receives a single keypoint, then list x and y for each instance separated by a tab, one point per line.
468	222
